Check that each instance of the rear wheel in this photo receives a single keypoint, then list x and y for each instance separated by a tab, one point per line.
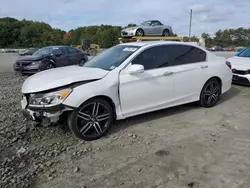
210	93
166	33
92	119
139	32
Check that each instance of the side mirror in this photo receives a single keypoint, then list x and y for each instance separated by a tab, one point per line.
135	69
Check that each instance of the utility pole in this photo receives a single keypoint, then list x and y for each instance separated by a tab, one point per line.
190	24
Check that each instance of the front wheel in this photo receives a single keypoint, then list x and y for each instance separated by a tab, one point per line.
139	32
210	93
49	65
92	119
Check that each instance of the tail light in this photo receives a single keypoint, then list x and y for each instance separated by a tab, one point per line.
229	64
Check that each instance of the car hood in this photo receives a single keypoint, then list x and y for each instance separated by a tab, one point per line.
30	58
240	63
130	28
59	77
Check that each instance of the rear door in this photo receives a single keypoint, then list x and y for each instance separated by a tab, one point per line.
147	28
190	69
73	56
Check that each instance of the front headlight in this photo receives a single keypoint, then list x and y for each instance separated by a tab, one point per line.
49	99
35	62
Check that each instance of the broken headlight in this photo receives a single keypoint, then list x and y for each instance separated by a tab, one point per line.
49	99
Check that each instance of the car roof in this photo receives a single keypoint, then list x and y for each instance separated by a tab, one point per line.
57	46
152	21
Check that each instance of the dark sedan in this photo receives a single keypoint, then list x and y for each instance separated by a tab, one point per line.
50	57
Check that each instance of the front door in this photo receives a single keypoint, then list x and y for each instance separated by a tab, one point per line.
61	57
151	90
157	28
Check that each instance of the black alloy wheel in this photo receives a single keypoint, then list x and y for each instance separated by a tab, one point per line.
92	120
210	93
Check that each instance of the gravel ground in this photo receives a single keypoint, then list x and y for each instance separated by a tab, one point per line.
185	146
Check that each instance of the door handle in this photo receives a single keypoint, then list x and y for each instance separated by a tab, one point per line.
167	73
204	66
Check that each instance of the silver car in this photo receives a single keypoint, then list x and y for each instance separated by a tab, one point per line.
148	28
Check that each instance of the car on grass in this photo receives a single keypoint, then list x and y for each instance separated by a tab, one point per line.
50	57
148	28
126	80
241	67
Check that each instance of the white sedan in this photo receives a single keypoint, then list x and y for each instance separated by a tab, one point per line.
126	80
241	67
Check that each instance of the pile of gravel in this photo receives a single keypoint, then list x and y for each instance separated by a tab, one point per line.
27	150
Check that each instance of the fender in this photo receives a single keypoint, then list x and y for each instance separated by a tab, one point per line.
169	29
49	59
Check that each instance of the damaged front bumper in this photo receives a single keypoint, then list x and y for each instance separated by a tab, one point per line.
44	115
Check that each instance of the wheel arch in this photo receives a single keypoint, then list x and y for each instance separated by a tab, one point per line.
170	30
51	60
139	29
108	99
216	77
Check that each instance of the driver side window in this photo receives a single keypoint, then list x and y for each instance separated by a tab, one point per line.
57	51
155	24
153	58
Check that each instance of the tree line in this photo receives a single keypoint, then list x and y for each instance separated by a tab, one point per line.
24	33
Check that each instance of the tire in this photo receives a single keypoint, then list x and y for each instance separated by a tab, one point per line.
210	93
82	62
92	52
49	65
166	33
139	32
92	120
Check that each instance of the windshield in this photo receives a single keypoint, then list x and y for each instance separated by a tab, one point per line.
147	23
111	58
45	51
245	53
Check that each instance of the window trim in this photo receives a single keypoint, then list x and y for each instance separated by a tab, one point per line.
148	47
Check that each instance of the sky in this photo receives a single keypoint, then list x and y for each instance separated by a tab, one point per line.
208	15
